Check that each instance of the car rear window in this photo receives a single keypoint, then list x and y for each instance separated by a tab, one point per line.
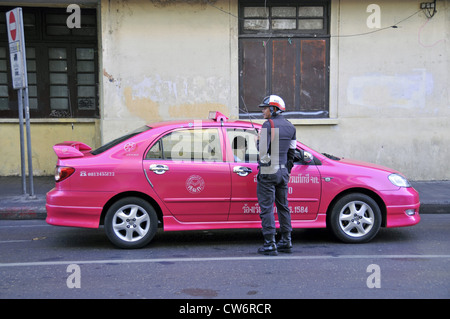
119	140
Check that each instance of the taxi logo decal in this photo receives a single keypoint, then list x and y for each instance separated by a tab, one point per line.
129	147
195	184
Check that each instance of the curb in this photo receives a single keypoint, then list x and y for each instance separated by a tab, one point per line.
23	207
437	208
24	214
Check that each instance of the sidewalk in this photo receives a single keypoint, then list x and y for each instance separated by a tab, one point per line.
434	197
15	205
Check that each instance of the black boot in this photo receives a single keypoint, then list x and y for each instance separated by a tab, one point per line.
285	243
269	247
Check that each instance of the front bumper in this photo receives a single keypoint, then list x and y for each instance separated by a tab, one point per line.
402	207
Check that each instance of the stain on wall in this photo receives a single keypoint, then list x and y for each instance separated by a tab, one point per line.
142	107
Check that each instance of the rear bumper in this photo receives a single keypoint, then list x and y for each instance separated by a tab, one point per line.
402	208
72	209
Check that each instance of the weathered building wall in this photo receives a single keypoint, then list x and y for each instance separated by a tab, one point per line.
44	134
392	89
166	60
389	93
45	131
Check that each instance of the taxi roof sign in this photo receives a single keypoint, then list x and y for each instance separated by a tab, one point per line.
217	116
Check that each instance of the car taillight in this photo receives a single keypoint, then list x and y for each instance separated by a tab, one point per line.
63	172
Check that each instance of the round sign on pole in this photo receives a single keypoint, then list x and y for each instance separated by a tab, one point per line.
12	26
16	41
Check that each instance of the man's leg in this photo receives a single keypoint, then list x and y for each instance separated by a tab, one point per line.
265	191
284	215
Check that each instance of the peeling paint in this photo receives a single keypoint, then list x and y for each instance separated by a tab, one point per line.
200	110
141	107
401	91
165	3
141	101
108	76
177	97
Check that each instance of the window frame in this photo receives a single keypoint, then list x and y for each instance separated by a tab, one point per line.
159	140
262	78
36	37
271	32
243	132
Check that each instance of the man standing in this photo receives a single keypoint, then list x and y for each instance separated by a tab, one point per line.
276	144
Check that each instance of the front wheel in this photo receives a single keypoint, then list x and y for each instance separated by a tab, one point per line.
355	218
131	223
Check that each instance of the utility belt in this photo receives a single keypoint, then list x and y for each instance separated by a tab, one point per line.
272	167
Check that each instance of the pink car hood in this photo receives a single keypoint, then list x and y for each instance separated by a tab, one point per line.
366	164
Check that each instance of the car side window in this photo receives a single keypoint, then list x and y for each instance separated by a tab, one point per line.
243	145
188	145
155	151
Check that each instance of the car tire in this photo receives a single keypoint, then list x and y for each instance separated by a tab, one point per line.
355	218
131	223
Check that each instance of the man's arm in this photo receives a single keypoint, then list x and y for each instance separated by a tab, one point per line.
291	152
263	143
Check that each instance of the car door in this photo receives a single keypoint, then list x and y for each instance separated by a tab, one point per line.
186	169
243	158
303	189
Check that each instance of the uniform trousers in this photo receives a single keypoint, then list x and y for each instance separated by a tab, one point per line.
273	188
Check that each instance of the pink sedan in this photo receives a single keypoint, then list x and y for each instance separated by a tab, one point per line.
201	174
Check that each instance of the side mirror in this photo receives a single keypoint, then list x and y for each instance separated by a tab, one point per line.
307	157
303	156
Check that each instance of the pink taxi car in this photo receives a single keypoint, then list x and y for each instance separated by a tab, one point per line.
201	174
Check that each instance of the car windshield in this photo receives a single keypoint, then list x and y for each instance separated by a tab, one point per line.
119	140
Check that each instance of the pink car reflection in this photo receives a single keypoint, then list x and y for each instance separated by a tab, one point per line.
192	175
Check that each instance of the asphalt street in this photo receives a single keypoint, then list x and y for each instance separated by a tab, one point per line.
42	261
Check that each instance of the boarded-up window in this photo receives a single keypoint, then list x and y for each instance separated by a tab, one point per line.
283	50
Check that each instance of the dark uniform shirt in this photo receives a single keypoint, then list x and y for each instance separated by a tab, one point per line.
284	138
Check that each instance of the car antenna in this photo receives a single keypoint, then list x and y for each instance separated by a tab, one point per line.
248	113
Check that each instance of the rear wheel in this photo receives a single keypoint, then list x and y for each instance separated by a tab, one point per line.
131	222
355	218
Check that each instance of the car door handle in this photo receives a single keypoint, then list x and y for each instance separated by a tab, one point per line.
242	170
159	168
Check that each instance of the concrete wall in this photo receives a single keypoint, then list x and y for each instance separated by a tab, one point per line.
392	89
389	92
166	60
44	134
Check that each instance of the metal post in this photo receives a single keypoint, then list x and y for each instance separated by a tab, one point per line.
16	40
27	112
22	144
29	152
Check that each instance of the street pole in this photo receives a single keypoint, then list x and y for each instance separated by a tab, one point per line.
16	40
22	144
27	122
29	151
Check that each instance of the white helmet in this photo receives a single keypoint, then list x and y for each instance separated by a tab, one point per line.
274	100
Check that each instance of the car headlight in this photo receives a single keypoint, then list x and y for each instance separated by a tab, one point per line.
399	180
